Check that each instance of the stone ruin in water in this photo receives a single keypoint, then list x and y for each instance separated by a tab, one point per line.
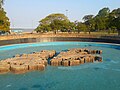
76	56
26	62
39	60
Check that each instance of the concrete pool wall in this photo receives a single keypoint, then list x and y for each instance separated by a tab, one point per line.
54	39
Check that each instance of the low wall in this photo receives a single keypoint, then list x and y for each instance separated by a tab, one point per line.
53	39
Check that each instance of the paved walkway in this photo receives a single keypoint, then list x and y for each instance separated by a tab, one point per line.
93	35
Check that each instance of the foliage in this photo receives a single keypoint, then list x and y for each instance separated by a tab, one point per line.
104	12
4	21
105	20
53	22
50	18
1	3
88	17
114	20
81	27
89	22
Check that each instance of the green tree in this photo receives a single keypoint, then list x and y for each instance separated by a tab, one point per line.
81	27
50	18
101	19
54	22
71	27
1	3
43	28
65	26
100	23
104	12
88	17
56	25
89	22
114	19
4	21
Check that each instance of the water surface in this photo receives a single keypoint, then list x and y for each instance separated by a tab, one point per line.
92	76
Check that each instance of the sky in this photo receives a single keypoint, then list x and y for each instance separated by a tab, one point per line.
28	13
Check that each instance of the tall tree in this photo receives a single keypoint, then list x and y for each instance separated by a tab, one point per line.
89	22
101	19
56	25
4	21
100	23
81	27
114	19
104	12
71	27
50	18
88	17
54	21
1	3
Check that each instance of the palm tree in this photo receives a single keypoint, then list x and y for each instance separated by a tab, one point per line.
1	3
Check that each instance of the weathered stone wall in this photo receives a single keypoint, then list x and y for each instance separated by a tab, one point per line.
38	60
26	62
75	57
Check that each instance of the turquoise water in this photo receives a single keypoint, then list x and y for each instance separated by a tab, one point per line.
93	76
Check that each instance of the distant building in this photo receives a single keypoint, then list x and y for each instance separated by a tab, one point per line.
16	31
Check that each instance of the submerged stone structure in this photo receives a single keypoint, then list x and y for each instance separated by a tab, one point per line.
26	62
38	60
76	56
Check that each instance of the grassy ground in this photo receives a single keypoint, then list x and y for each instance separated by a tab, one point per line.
60	34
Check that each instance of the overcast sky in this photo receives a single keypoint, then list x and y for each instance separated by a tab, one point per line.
27	13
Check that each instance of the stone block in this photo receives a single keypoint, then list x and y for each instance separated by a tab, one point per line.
32	66
87	59
24	55
19	69
17	55
74	62
82	61
65	63
92	59
4	68
40	67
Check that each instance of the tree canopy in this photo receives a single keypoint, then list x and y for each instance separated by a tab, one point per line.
104	12
88	20
105	20
50	18
4	21
1	3
53	22
114	19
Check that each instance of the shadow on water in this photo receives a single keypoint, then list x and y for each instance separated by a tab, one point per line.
96	68
118	48
44	87
50	85
37	86
53	57
23	89
57	53
65	50
108	60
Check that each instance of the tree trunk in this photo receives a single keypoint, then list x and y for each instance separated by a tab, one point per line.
118	32
89	32
55	31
